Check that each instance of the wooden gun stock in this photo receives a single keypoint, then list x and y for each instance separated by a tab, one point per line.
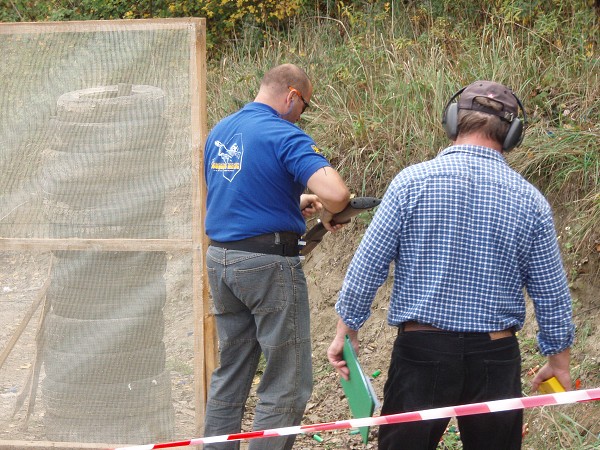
354	208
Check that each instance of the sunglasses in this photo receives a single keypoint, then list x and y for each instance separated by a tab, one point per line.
297	92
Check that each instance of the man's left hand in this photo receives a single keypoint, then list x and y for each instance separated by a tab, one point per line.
310	205
557	366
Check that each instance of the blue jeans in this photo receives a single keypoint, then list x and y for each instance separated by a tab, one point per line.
261	306
432	369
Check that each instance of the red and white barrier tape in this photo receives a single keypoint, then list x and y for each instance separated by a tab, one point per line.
561	398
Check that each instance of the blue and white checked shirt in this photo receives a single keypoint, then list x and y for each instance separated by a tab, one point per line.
467	234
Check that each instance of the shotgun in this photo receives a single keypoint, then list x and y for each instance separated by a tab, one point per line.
354	208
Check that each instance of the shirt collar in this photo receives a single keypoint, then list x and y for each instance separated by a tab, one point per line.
261	107
476	150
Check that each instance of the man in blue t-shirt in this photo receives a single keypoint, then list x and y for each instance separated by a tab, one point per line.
257	166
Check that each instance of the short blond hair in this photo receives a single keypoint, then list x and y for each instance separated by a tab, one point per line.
281	77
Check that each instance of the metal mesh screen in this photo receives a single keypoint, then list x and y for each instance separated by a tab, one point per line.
97	137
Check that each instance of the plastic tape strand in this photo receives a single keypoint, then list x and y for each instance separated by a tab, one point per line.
561	398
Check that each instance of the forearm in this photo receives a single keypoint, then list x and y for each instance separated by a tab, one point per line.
328	185
343	330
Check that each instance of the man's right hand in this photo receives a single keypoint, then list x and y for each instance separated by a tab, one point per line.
336	348
326	218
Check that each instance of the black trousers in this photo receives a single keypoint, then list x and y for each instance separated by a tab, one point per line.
432	369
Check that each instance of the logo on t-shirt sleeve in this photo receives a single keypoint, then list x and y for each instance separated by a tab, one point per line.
229	157
315	148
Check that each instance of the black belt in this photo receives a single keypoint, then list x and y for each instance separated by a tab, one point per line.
283	243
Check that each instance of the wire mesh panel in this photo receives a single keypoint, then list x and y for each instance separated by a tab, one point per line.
99	143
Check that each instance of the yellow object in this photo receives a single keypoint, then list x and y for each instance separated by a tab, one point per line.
551	386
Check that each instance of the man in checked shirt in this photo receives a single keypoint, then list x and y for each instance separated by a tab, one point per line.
467	234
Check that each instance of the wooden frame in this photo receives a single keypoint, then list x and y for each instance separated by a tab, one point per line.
205	349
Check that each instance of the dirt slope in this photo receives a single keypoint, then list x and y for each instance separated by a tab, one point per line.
325	269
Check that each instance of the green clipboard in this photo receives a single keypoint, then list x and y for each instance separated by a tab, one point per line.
358	389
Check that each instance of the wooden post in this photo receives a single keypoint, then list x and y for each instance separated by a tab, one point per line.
205	341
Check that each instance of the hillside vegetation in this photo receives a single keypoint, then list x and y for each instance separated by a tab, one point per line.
383	74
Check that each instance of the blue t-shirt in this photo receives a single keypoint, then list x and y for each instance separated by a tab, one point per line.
256	166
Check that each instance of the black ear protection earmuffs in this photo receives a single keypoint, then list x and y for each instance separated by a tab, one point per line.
513	138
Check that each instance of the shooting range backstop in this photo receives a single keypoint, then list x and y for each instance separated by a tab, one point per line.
102	295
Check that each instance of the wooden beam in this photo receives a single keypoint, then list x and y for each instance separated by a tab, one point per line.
103	245
46	445
25	321
98	25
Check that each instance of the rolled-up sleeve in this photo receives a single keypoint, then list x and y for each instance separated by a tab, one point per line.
548	288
